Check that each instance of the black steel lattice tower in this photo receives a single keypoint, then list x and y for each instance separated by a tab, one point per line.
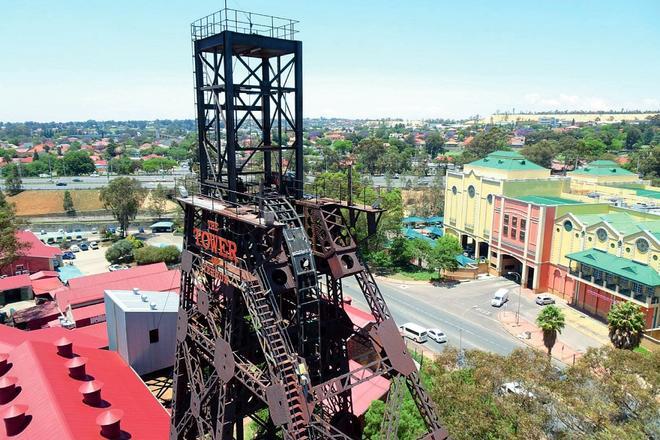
262	321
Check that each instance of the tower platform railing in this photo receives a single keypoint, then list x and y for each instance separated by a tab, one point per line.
244	22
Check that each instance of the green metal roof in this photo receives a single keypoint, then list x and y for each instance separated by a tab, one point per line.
648	193
506	160
623	222
548	200
623	267
602	164
602	170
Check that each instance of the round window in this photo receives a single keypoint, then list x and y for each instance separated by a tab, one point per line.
655	258
627	249
590	239
642	245
471	191
568	226
454	190
489	197
601	234
612	245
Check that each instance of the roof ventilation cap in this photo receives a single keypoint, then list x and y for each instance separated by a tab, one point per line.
76	367
109	422
8	389
91	392
15	419
64	347
136	291
152	305
145	298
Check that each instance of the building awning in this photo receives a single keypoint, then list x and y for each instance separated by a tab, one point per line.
623	267
434	230
413	219
435	219
162	225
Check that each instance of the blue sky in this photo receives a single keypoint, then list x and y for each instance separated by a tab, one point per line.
121	59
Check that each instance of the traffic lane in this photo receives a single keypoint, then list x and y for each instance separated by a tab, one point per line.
89	185
472	331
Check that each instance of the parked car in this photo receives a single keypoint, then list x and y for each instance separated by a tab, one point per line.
84	247
77	180
413	331
500	297
94	245
95	231
514	388
544	299
68	256
437	335
116	267
74	248
61	184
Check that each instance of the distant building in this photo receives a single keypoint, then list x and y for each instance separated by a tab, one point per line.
35	257
142	327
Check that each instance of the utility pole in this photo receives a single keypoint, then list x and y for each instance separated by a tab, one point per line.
519	295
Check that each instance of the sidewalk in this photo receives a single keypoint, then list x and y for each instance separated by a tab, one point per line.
581	322
560	351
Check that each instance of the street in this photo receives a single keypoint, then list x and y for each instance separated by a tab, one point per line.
97	182
463	312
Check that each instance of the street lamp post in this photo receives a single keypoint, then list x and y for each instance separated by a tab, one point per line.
519	295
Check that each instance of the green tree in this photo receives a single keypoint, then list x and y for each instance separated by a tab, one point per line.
434	144
443	254
10	247
13	181
401	252
551	320
158	201
541	153
153	254
369	151
420	249
68	203
158	164
75	163
123	197
120	252
486	142
124	166
343	147
626	324
633	135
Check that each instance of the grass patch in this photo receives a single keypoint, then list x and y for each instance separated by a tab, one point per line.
642	351
415	275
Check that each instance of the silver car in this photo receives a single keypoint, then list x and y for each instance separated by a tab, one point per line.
437	335
543	300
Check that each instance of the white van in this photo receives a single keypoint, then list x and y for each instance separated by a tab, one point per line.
413	331
501	296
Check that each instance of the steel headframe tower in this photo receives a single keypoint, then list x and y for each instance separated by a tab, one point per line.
262	323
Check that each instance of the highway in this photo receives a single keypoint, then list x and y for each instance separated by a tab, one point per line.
96	182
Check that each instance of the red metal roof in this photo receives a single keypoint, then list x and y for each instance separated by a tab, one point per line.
82	313
108	277
93	332
15	282
170	280
55	403
43	286
11	337
36	248
366	392
44	274
358	317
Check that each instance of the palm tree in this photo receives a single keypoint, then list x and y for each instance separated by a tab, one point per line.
551	321
626	324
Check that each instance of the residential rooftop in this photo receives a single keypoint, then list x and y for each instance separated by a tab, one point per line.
507	161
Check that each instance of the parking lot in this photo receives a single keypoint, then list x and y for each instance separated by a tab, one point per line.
93	260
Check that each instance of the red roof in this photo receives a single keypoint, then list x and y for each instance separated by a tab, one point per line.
82	313
55	402
358	317
11	337
15	282
97	331
166	281
43	286
36	247
108	277
44	274
366	392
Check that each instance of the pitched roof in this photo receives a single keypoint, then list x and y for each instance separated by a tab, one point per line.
11	337
366	392
506	160
620	266
109	277
55	403
46	285
623	222
15	282
44	274
602	168
36	248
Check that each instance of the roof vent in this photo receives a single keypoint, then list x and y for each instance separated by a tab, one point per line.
91	392
8	389
136	291
522	162
152	305
64	347
500	161
109	423
614	170
76	367
145	298
15	419
4	364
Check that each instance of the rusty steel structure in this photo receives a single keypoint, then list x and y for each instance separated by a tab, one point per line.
262	322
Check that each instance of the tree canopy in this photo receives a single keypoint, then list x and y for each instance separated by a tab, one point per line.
123	196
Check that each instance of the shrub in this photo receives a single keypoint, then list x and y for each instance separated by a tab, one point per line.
153	254
120	252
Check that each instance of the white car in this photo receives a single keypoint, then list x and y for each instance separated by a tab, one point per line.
116	267
437	335
514	388
544	299
74	248
93	245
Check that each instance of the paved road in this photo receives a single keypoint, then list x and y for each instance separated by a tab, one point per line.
96	182
463	312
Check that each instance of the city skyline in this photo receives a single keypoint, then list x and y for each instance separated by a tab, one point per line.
124	61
